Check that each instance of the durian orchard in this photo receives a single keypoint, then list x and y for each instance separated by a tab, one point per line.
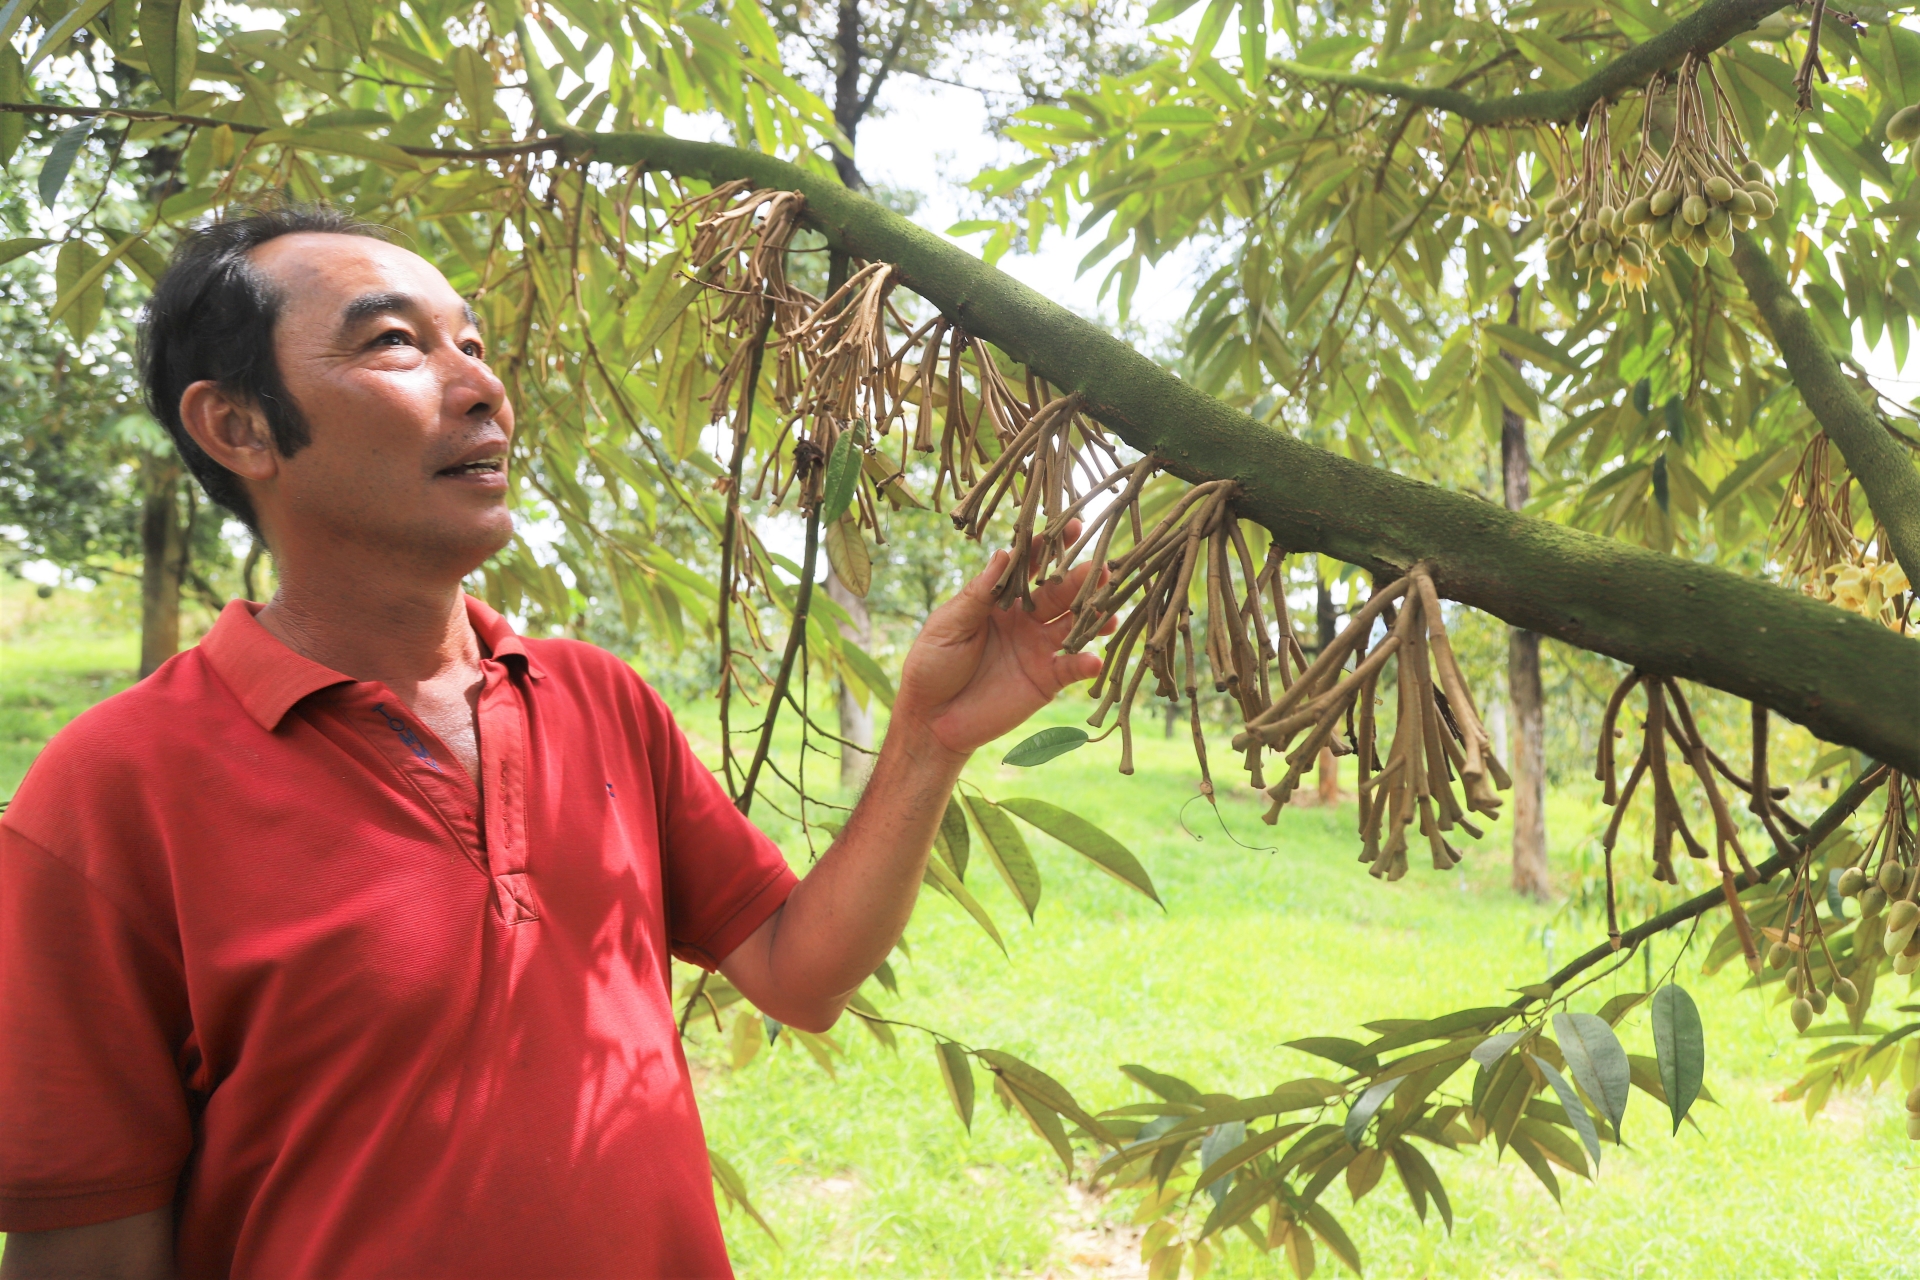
1427	229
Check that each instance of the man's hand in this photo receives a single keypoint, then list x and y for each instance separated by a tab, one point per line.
978	671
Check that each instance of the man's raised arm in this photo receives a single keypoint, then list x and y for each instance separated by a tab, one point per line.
975	672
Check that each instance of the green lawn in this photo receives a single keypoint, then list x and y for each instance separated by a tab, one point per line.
870	1172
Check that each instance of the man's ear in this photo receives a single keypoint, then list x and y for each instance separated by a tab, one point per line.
232	430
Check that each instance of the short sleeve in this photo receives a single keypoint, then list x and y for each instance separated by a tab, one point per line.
94	1118
723	876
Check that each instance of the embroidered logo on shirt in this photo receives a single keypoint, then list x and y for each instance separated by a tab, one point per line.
407	736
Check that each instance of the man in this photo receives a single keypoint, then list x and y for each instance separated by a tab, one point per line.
339	946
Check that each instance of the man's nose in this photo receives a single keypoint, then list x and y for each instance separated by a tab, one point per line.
474	389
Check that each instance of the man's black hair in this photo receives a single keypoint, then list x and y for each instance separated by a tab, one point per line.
212	317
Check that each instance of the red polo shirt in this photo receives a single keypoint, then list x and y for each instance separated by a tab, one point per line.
266	956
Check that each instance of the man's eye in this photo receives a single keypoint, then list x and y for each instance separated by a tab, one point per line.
393	338
473	349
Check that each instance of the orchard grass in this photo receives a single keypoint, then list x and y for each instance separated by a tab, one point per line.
871	1173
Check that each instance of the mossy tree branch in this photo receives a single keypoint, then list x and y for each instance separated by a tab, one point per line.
1700	32
1883	466
1847	679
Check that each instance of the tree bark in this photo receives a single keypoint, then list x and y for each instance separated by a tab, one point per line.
847	104
1818	665
1325	624
1883	466
163	561
856	721
1527	712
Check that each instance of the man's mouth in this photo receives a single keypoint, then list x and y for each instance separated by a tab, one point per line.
479	466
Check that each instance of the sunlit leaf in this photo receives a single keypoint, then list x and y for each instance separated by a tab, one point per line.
11	249
956	1070
1597	1061
1045	745
167	35
1083	837
1007	850
1576	1110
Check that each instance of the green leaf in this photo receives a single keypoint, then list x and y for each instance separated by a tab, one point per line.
1007	850
735	1188
1576	1110
13	126
1363	1110
77	275
847	553
1168	10
945	880
1494	1048
1594	1055
867	670
1029	1079
1044	1121
1536	1159
62	31
339	142
1420	1180
11	249
952	840
1531	346
12	15
53	174
1564	64
354	18
843	472
1333	1236
1172	1088
83	290
957	1071
167	35
1086	839
1045	745
1681	1048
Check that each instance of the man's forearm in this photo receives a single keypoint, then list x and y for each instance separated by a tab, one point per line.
845	916
135	1248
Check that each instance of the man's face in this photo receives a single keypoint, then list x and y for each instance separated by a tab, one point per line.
409	426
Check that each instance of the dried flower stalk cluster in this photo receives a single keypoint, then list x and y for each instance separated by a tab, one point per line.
1006	446
1670	722
1438	736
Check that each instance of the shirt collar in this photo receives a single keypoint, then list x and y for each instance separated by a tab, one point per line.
499	639
270	678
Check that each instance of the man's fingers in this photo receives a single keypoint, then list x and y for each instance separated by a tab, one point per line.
1055	596
1072	668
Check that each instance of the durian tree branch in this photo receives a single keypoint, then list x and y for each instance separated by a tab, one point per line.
1815	835
1848	680
1883	466
1700	32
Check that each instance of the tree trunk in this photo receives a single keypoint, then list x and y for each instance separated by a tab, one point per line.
846	91
1325	623
856	721
1527	729
163	561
